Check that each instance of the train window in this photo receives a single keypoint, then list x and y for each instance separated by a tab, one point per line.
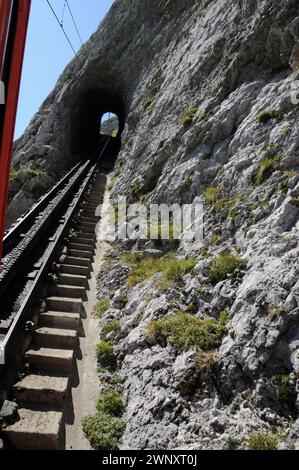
109	125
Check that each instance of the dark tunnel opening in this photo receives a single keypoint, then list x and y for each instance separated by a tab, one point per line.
89	141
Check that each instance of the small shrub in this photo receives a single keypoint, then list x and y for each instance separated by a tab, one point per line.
105	355
13	175
232	444
286	389
268	114
109	327
224	265
117	379
101	308
211	194
184	331
103	430
265	169
262	441
187	183
187	118
111	402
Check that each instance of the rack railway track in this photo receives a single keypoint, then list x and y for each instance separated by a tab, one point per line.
43	282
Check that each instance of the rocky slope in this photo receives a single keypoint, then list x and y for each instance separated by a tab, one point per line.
205	91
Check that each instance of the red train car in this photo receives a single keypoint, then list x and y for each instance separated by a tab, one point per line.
14	17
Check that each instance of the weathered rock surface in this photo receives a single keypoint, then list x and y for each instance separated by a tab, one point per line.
230	61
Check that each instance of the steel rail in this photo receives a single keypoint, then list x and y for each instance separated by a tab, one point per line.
54	249
18	231
17	258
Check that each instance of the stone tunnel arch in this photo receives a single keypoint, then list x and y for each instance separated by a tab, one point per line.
86	139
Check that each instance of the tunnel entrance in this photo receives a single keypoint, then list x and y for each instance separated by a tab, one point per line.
97	126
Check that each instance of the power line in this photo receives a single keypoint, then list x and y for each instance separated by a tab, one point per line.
75	24
63	13
61	26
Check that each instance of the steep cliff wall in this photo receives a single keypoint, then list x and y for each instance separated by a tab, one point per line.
203	91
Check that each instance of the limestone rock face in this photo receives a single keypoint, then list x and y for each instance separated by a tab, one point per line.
205	98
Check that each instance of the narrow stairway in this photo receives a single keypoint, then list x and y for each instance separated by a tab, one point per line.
42	395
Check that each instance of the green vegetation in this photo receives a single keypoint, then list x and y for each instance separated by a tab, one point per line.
184	331
283	186
187	118
232	444
34	173
223	265
262	441
13	175
145	268
109	327
187	183
211	194
73	234
117	379
103	430
265	169
285	389
123	300
111	402
271	145
206	360
228	204
105	355
206	116
101	308
148	103
295	201
163	284
268	114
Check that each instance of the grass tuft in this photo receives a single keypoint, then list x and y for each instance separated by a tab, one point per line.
265	169
223	265
268	114
184	331
105	355
103	430
111	402
187	118
262	441
145	268
101	308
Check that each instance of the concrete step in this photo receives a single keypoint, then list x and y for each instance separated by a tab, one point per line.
36	430
82	247
85	233
64	304
74	270
89	218
51	360
70	321
89	225
77	261
72	292
90	213
58	338
86	241
73	280
41	390
80	254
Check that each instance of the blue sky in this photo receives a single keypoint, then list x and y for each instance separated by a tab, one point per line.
48	52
